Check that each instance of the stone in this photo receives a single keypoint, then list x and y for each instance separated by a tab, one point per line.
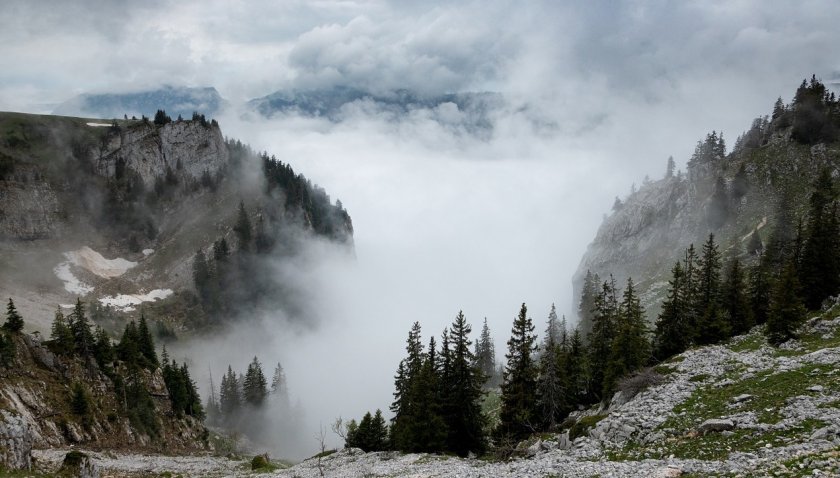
15	442
716	425
78	464
816	388
742	398
669	471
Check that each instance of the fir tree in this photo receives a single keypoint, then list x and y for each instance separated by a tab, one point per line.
586	308
230	397
713	326
103	351
279	388
146	344
759	290
673	332
485	357
669	170
128	350
61	335
690	292
574	371
630	349
735	301
462	394
550	385
425	428
82	336
14	321
243	228
518	416
601	337
786	310
819	272
254	386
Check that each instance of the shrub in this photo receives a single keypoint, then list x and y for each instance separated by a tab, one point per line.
641	380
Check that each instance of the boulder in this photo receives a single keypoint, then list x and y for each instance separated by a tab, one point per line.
716	425
78	464
15	442
742	398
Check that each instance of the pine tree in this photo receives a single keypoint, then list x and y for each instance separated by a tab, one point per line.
630	349
601	337
819	273
690	292
146	344
61	336
426	428
82	336
759	290
669	170
103	351
128	350
279	388
485	357
254	388
786	310
574	371
586	308
550	385
193	406
518	416
735	301
243	228
14	321
230	396
713	326
673	332
463	394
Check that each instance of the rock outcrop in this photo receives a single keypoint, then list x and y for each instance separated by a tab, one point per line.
15	441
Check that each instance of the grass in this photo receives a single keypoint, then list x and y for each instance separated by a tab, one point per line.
582	426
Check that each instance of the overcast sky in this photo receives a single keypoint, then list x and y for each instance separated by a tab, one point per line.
601	93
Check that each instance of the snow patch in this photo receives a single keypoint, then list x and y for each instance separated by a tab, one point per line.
93	261
72	284
98	125
148	252
126	302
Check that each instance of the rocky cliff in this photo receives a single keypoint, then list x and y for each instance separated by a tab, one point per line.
731	196
36	409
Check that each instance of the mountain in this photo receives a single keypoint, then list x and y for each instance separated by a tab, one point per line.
115	212
176	100
155	230
468	108
766	179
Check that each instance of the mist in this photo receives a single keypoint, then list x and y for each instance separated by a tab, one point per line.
597	98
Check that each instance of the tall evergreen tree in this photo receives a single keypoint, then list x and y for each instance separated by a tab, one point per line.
601	337
735	300
254	387
574	371
819	272
690	291
673	331
463	394
243	228
61	335
14	321
786	310
485	357
146	344
586	308
82	336
230	396
279	388
759	290
713	326
103	351
518	417
404	406
630	349
551	391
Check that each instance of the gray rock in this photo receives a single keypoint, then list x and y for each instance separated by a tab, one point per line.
742	398
816	388
15	442
79	465
716	425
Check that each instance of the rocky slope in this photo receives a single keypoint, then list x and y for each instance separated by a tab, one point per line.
36	410
738	409
79	195
649	230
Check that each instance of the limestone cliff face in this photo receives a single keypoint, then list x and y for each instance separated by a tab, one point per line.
187	148
29	207
646	234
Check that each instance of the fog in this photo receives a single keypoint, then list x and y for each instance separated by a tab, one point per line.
597	98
